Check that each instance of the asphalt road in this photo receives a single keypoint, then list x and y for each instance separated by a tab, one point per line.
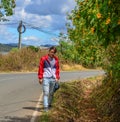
20	93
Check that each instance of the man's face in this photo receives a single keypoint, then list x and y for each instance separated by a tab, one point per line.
51	53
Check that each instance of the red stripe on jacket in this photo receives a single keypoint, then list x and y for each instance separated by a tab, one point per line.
41	67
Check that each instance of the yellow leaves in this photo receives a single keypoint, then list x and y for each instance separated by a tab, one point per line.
109	2
81	3
108	21
97	5
111	73
99	15
92	58
93	30
73	18
94	11
118	22
78	16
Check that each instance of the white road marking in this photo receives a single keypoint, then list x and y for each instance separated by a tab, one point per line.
36	110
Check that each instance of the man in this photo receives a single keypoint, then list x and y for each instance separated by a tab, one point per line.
48	74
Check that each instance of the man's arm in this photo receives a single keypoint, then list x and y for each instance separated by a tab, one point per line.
40	71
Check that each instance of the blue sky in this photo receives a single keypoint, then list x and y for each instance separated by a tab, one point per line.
47	15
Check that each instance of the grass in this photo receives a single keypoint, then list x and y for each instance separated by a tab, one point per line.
107	100
88	100
22	60
72	67
45	117
72	103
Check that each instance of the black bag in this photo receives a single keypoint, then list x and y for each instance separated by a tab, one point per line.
56	87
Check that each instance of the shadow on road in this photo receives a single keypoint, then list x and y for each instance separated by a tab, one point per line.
16	119
33	108
21	119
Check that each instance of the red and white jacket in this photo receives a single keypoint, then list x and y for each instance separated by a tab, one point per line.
45	69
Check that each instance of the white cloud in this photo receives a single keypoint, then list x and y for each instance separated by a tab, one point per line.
44	12
22	3
31	38
6	36
49	7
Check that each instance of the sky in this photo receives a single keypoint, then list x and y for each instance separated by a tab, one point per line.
43	20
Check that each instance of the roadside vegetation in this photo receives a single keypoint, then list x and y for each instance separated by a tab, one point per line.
73	103
87	100
27	60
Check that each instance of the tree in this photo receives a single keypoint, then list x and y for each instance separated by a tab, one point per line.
96	23
95	19
6	8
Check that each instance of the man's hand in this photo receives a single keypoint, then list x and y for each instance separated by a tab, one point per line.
57	80
40	81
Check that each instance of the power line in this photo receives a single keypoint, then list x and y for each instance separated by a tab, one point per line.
39	29
30	26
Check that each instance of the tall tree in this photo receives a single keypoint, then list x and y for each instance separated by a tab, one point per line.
96	23
98	19
6	7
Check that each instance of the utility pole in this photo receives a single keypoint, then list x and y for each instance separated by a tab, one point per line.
20	33
20	29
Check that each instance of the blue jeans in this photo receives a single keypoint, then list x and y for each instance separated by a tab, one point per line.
48	87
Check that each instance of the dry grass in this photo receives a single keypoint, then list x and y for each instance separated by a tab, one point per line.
27	60
72	67
22	60
106	97
73	103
